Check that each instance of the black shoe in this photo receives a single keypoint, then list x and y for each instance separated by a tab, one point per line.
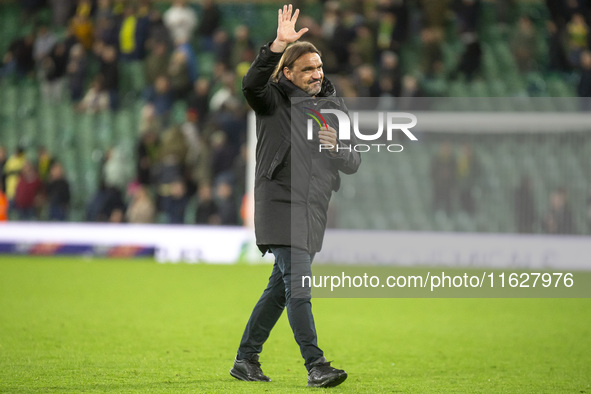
321	374
249	370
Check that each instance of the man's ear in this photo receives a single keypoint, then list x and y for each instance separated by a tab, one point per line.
288	74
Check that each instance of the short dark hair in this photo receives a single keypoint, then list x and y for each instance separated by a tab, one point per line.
291	54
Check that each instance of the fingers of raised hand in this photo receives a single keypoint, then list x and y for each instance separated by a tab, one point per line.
285	14
294	18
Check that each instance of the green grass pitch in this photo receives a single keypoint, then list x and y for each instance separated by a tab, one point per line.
98	325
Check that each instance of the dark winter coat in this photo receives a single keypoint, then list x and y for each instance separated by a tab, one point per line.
293	179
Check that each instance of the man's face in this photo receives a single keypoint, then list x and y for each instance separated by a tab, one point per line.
306	73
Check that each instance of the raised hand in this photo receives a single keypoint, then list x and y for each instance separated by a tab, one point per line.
286	33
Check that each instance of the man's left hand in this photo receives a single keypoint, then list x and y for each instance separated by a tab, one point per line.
328	136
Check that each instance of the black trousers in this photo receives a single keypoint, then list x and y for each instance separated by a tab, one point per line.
284	290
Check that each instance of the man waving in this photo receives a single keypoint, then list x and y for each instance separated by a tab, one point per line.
294	181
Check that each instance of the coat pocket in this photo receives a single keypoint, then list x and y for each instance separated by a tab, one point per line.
278	159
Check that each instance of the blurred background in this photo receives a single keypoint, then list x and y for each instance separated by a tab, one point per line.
131	111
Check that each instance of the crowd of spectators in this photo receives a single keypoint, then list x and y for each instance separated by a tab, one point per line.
203	157
457	182
30	187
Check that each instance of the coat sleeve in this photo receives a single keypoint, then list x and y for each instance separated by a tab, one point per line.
255	84
347	160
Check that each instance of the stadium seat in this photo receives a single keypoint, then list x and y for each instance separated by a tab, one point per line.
206	64
464	222
442	222
104	130
490	67
435	87
9	133
179	112
138	81
10	100
125	127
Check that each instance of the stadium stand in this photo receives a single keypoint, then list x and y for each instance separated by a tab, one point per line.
448	57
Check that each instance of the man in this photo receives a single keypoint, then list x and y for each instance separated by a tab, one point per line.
12	170
28	194
58	193
19	57
181	21
293	184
